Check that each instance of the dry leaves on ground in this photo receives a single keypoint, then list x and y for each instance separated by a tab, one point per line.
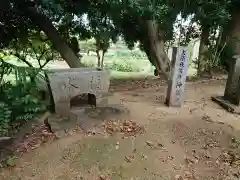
34	139
231	158
127	127
126	85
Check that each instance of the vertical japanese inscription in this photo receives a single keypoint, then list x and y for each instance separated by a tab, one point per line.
95	83
179	75
176	85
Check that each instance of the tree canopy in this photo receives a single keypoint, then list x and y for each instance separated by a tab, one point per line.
149	22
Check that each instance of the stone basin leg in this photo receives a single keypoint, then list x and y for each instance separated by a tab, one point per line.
62	107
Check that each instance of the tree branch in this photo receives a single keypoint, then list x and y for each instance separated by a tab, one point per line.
22	59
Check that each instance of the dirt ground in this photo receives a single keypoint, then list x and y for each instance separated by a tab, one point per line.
196	142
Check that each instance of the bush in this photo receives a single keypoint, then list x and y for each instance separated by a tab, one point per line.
18	103
123	66
88	65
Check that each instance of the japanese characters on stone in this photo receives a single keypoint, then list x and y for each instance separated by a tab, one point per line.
179	79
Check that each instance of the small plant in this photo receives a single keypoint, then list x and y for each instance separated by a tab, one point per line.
5	118
11	161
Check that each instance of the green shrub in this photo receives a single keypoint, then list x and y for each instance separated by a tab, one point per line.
123	66
88	65
18	103
5	118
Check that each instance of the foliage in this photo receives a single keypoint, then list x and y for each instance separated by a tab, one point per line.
36	46
20	101
12	23
109	19
87	45
11	161
123	66
5	118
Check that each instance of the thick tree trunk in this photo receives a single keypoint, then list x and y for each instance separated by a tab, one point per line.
232	92
202	59
60	45
99	58
235	32
156	45
151	57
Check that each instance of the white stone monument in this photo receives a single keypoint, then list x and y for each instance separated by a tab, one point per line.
68	83
178	75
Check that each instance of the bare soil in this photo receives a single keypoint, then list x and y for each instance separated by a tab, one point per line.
196	142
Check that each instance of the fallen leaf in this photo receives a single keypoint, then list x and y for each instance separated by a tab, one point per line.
160	145
207	154
150	144
144	156
188	175
189	160
178	177
128	160
102	177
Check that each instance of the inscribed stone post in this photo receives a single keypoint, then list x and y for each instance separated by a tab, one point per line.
175	92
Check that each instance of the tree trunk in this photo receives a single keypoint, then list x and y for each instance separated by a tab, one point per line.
103	54
157	51
60	45
99	58
202	59
235	32
151	57
233	43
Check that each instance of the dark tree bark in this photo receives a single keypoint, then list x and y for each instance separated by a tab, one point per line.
102	60
99	58
232	91
151	57
58	42
156	50
202	59
235	31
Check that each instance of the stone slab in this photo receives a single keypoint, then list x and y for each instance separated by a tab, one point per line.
42	85
68	83
176	84
226	104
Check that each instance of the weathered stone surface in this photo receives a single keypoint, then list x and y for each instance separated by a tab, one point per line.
42	85
176	84
68	83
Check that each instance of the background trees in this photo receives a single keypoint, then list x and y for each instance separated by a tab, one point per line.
151	23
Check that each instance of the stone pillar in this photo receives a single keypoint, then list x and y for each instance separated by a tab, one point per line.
232	90
176	83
